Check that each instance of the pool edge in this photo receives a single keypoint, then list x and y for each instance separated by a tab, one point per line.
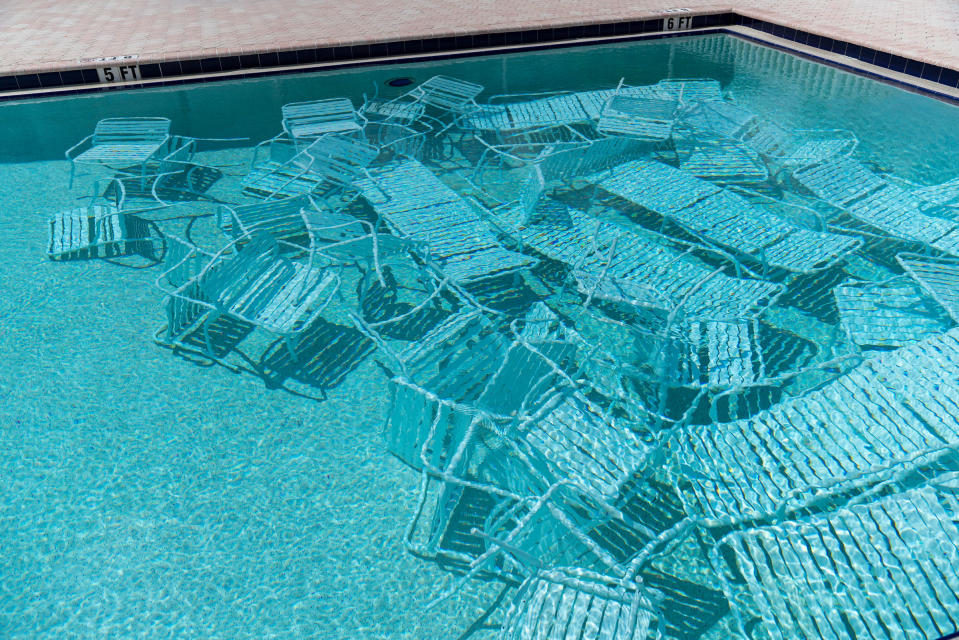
915	75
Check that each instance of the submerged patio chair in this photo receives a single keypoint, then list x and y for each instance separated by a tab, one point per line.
449	231
304	120
570	167
403	113
893	313
523	149
886	569
890	413
331	161
255	284
796	149
431	101
594	101
447	94
725	218
939	277
127	144
848	185
650	119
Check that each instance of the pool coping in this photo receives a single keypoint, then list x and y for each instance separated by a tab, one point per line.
915	75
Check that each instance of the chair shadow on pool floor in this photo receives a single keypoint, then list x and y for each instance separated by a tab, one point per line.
326	353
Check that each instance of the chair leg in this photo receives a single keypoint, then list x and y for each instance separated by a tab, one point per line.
290	346
208	342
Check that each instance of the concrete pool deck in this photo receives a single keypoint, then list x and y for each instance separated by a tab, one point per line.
48	35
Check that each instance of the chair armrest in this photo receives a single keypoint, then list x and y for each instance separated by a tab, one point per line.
76	146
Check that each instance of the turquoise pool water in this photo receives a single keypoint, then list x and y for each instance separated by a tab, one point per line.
158	493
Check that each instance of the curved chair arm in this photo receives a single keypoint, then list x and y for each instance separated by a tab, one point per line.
269	141
76	146
194	252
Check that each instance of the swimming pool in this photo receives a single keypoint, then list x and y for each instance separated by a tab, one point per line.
670	308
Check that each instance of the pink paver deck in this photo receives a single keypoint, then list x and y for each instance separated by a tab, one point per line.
46	35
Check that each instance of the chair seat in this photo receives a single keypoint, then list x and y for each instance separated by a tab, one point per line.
119	154
887	411
313	129
278	300
861	570
558	604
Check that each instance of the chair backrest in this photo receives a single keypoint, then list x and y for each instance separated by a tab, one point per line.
447	93
337	159
692	90
298	114
181	262
281	218
532	191
645	118
131	130
583	161
644	107
770	139
231	277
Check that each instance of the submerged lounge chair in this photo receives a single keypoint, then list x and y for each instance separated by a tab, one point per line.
418	206
321	117
893	411
329	162
123	143
724	218
783	149
652	112
526	111
615	263
526	148
887	569
515	112
848	185
447	94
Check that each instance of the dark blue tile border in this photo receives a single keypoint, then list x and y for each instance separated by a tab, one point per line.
208	69
858	71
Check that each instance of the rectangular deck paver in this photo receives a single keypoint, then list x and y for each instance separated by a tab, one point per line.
41	35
